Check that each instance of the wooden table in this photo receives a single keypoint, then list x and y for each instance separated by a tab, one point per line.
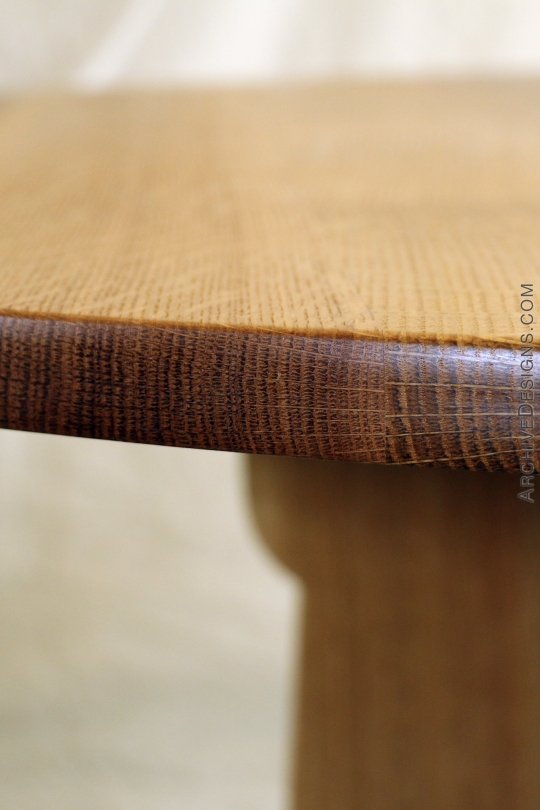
343	272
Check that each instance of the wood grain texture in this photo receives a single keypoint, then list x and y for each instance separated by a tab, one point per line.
265	393
352	252
421	655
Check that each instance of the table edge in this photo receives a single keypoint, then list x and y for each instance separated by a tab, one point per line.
346	398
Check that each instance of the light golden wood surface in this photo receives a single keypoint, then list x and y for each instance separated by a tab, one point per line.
421	651
329	270
398	211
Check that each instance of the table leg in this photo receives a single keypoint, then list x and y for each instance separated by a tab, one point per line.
420	683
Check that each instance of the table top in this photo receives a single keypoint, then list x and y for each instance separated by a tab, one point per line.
332	270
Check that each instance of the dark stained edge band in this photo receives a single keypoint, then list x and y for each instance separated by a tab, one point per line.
320	397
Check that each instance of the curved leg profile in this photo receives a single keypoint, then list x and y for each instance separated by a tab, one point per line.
420	681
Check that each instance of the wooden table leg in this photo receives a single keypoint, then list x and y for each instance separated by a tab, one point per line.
421	652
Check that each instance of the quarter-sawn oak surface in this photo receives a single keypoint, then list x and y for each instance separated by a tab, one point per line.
328	271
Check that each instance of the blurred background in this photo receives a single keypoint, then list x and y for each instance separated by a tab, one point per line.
147	640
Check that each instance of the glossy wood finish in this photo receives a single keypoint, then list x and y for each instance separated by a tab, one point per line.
265	393
328	270
421	652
